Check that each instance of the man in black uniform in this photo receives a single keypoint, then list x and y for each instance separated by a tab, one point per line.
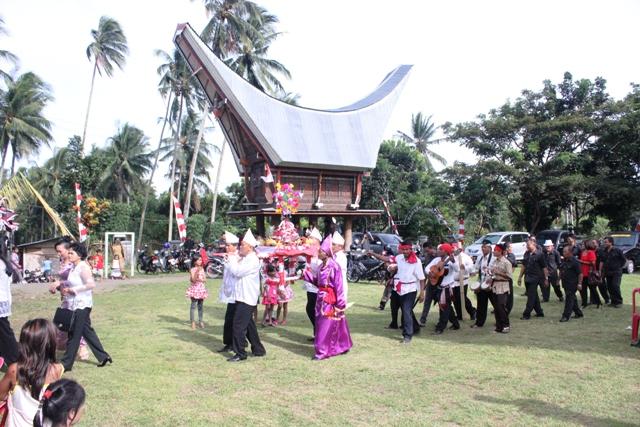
571	275
611	270
514	263
553	262
534	270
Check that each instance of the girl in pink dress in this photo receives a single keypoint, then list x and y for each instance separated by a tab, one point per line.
285	294
270	295
197	290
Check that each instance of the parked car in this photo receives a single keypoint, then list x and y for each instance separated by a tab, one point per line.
518	240
558	237
629	243
377	242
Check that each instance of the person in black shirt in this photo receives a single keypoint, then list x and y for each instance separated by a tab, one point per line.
428	255
602	286
552	257
571	275
534	270
514	263
611	270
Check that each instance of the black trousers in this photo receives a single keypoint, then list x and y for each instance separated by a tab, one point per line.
500	311
311	309
510	297
546	290
613	286
81	327
394	302
430	296
446	313
602	287
227	329
244	327
8	344
482	304
457	303
533	300
410	324
571	302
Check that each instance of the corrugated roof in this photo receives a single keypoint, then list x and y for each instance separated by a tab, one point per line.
346	138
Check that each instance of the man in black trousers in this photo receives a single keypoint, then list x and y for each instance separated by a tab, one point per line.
535	271
246	272
571	275
553	263
227	293
613	260
483	297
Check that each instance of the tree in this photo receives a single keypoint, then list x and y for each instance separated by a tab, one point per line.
5	55
109	48
23	127
422	131
541	141
128	160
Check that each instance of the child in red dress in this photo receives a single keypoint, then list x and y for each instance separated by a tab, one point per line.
270	295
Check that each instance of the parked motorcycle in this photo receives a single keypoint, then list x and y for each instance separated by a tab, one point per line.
35	276
360	266
215	267
148	263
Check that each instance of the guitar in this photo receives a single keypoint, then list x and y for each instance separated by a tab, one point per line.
437	271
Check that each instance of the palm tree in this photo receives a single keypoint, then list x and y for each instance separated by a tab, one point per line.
422	131
129	161
109	48
23	126
5	54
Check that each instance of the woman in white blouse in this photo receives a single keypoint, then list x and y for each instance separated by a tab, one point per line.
80	295
8	344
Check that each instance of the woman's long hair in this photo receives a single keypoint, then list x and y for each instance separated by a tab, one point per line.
60	398
37	353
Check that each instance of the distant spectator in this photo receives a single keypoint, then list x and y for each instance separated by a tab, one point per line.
16	266
62	405
24	381
46	268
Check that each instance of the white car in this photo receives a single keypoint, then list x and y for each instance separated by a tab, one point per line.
518	240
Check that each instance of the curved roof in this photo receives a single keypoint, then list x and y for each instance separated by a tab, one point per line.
346	138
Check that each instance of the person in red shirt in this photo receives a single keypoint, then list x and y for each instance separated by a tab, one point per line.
97	261
588	264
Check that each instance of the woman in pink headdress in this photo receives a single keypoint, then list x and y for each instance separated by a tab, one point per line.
332	335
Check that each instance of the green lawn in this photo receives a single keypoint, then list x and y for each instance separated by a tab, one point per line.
544	373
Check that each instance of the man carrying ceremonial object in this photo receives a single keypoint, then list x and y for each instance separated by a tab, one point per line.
332	335
409	279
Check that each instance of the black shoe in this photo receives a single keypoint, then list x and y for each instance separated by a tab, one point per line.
539	314
525	318
577	316
381	306
258	354
312	339
422	324
607	302
391	327
564	319
105	361
584	305
236	358
545	300
454	327
225	349
406	340
438	332
616	305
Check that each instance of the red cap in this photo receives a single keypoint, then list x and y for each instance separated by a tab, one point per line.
446	248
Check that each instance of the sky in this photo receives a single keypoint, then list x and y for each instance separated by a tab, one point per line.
468	57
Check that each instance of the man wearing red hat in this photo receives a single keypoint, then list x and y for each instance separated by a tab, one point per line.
445	266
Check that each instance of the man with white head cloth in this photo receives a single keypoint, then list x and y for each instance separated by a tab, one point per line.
227	292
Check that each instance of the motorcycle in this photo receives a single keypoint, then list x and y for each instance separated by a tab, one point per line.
360	266
147	264
35	276
215	267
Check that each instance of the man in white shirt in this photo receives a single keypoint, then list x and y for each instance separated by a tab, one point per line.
448	271
465	263
482	268
341	258
313	264
408	281
246	272
227	292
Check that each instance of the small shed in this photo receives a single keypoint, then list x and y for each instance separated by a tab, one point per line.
33	253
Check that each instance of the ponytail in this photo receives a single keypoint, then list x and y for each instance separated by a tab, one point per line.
58	401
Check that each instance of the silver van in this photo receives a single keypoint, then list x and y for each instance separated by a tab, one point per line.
518	240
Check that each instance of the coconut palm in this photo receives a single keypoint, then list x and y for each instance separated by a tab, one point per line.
422	131
5	55
109	48
129	161
23	126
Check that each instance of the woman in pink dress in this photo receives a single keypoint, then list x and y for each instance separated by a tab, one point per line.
332	330
197	290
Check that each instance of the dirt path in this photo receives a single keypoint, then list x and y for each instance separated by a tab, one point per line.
31	290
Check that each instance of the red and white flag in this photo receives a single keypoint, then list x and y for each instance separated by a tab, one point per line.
82	230
392	223
268	175
182	227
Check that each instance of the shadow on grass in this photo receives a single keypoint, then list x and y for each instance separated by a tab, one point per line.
288	340
542	409
204	337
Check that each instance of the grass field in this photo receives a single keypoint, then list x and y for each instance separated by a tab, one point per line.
544	373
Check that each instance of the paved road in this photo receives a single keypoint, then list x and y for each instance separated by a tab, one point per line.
31	290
